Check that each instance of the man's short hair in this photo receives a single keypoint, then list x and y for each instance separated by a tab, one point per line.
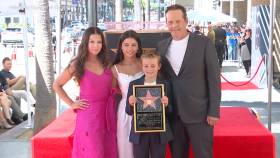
177	7
5	59
150	54
197	28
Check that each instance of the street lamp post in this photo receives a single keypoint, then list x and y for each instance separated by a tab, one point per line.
82	11
271	23
158	10
231	8
66	8
92	10
58	50
22	11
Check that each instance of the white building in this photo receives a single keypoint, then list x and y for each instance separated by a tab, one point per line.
15	19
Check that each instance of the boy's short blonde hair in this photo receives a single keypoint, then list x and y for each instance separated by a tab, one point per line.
150	54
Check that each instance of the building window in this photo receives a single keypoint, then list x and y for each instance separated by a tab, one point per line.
16	20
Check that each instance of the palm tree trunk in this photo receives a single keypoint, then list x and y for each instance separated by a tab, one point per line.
45	111
137	10
86	2
147	10
119	13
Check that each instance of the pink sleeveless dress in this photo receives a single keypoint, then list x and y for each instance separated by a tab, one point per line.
93	138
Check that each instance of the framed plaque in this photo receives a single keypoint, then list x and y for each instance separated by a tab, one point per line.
149	112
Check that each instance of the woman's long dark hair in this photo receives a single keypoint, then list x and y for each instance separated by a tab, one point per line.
79	60
127	34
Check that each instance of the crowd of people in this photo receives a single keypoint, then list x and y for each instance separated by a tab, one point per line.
13	89
185	64
231	41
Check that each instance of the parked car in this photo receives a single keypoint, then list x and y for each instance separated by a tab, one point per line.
102	26
125	18
32	30
15	35
76	23
70	30
85	25
131	18
77	27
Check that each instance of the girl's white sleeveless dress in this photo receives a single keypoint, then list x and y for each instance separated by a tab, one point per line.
125	148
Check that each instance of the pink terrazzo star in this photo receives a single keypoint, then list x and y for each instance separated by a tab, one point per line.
149	100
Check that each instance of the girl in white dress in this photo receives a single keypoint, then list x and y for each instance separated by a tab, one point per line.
127	67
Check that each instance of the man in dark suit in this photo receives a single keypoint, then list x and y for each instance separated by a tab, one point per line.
221	36
189	62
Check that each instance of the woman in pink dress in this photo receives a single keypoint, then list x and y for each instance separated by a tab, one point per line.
95	132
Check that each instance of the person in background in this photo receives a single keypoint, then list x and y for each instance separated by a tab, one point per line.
15	102
197	30
75	35
73	38
232	44
211	33
220	36
245	44
228	30
65	38
5	104
17	83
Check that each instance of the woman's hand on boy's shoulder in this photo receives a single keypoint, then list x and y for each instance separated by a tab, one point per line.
132	100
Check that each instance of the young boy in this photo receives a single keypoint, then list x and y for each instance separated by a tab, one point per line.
154	143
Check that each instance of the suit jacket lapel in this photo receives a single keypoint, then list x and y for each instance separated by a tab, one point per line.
191	45
164	54
141	81
159	81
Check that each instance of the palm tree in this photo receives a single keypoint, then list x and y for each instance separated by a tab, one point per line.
147	10
119	13
137	10
45	111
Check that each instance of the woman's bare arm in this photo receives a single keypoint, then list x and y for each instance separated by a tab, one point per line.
114	83
61	80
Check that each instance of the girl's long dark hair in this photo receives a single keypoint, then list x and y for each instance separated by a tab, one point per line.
79	60
127	34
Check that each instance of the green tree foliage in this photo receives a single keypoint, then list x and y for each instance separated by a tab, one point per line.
4	25
153	7
130	5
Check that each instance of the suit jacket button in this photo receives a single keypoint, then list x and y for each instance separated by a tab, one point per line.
177	77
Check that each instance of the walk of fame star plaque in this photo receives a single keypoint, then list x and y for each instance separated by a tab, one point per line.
149	112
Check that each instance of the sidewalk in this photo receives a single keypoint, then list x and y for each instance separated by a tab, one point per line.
13	146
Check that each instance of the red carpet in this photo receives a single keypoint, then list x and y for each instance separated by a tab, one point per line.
237	135
55	140
248	86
